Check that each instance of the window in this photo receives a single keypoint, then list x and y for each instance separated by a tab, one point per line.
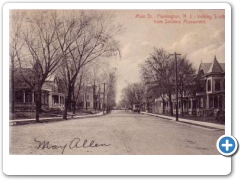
194	104
28	97
209	88
87	96
189	104
55	99
217	85
216	102
88	104
19	96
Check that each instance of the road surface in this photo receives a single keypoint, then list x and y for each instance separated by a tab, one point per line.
117	133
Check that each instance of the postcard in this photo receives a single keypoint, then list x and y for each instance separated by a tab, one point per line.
117	89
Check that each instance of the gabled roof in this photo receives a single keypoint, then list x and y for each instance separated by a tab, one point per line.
19	81
205	67
215	67
209	68
28	73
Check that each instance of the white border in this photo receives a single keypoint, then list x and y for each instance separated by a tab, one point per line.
110	164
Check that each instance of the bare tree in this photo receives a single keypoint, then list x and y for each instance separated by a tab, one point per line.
15	47
92	36
134	93
111	91
82	77
42	51
186	79
158	72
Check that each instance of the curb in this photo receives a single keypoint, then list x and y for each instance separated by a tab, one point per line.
50	119
191	122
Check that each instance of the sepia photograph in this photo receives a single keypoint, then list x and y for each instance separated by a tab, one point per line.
116	81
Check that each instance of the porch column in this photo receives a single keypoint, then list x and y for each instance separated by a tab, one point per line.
213	101
59	100
24	96
33	97
208	102
50	101
191	103
32	101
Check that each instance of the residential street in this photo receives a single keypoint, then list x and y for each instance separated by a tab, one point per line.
117	133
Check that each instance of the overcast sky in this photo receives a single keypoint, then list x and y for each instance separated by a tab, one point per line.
200	42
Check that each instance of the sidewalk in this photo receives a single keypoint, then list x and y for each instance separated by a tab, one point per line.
14	122
189	121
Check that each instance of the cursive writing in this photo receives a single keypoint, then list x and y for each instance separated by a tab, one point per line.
73	144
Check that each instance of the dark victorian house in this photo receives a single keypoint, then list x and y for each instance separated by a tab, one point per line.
211	88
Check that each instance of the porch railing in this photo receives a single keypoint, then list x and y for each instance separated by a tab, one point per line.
208	112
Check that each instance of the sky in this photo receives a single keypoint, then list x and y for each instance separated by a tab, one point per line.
172	30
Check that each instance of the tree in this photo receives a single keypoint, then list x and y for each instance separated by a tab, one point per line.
92	35
78	87
134	94
15	47
186	79
41	50
111	91
158	73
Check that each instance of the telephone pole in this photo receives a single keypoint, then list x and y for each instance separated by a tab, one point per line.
176	82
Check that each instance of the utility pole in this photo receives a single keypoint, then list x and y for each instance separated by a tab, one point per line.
94	96
176	83
103	97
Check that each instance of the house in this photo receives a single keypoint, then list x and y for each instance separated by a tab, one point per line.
52	92
92	98
209	98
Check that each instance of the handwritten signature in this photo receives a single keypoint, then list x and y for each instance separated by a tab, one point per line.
74	144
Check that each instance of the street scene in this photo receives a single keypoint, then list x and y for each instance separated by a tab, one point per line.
118	82
117	133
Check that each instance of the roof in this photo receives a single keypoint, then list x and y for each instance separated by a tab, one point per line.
205	67
213	67
52	83
222	66
19	81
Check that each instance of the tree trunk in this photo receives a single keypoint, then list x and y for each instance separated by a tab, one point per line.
170	103
67	103
38	103
74	107
163	106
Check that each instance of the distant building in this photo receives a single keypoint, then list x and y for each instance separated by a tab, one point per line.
92	98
